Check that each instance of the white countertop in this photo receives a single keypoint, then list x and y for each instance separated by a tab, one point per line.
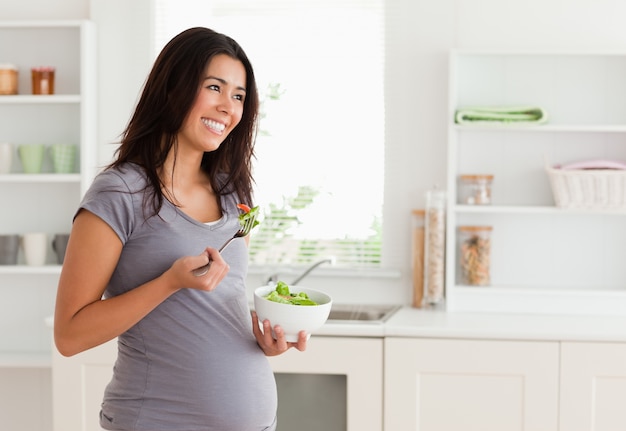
356	329
411	322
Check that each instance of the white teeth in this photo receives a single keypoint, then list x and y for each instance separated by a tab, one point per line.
219	127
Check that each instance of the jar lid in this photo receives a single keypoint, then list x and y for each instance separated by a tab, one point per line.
9	66
474	177
475	228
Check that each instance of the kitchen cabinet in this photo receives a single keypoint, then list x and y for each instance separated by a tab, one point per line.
42	202
593	386
79	383
544	259
482	385
473	385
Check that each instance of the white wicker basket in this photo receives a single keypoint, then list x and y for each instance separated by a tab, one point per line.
588	188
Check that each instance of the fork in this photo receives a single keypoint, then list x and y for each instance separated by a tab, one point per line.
244	231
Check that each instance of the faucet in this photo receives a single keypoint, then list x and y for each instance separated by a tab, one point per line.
274	277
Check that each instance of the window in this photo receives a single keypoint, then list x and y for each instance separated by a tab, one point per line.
319	169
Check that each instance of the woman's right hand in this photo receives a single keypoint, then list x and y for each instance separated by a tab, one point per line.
182	270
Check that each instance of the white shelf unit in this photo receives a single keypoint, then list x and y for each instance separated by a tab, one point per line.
43	202
544	259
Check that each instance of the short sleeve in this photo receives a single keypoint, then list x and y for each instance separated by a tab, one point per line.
112	199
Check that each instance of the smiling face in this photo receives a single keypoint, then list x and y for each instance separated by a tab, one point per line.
218	107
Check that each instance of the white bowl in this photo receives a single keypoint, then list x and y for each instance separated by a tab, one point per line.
293	318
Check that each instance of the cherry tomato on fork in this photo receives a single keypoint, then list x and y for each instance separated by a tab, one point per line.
243	207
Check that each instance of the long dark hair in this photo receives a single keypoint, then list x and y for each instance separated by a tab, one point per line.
168	96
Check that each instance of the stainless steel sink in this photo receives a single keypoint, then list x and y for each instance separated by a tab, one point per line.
355	313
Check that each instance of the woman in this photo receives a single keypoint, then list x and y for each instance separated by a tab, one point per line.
190	355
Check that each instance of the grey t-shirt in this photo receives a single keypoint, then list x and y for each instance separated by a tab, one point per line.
193	363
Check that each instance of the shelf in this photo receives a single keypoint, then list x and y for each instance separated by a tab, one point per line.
33	24
40	99
577	128
25	360
532	209
40	178
537	53
30	270
42	202
548	259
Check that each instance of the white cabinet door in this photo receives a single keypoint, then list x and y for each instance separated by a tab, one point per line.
360	359
470	385
593	386
78	385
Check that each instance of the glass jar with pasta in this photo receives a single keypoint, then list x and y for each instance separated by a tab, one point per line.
475	255
434	247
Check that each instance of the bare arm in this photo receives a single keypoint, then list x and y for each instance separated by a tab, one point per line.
83	319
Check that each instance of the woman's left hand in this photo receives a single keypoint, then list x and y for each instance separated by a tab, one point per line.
271	346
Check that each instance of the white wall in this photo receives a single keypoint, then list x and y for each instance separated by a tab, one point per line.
44	9
420	35
125	56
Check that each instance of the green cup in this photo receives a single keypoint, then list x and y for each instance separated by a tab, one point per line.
31	156
63	158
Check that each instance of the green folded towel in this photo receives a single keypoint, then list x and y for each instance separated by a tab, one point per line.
501	114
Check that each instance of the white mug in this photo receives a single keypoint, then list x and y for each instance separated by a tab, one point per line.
6	157
35	246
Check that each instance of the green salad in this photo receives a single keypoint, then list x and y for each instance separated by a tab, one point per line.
284	296
248	213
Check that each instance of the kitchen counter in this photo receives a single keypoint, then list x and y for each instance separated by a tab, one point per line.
411	322
352	329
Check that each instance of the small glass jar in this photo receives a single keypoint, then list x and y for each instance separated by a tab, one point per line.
475	189
8	79
43	79
475	255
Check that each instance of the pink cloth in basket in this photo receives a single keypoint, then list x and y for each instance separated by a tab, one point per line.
594	164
